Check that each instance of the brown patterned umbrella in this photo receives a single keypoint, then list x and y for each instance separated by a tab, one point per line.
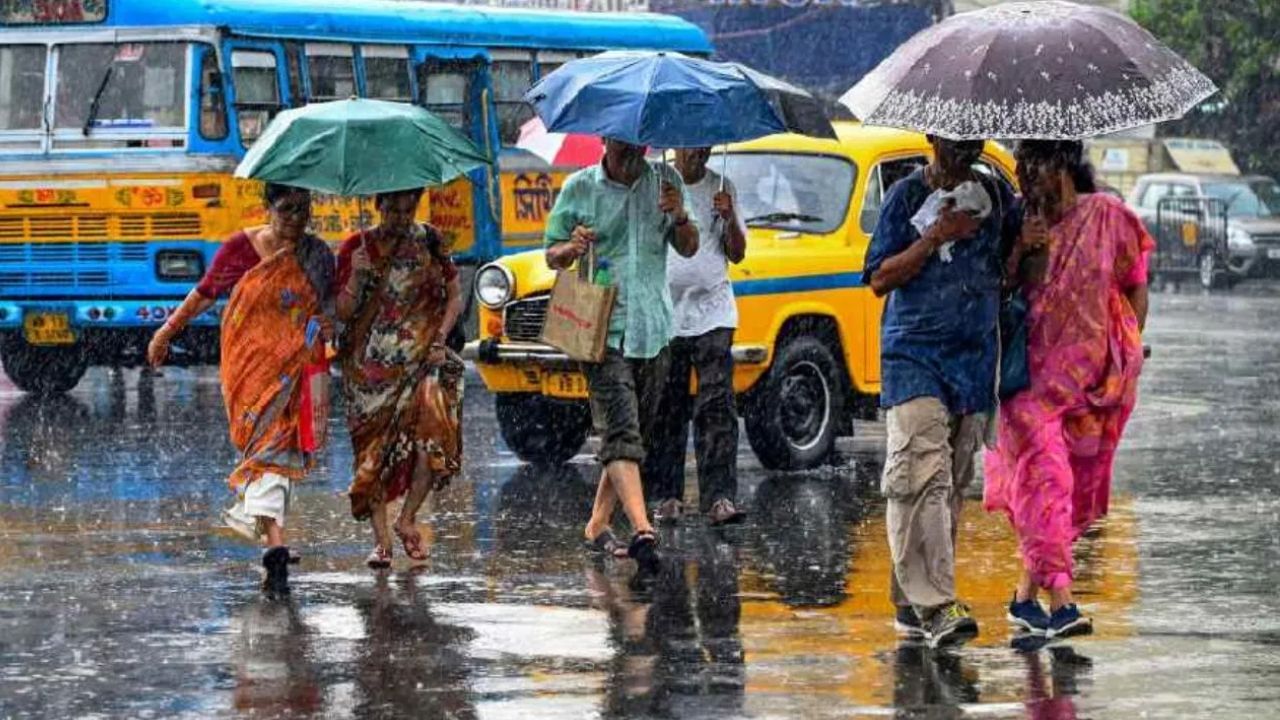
1046	69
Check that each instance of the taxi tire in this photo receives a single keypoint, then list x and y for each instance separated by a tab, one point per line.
42	370
542	430
806	366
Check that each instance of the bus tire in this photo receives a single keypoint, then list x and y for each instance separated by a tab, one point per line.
42	370
542	430
793	416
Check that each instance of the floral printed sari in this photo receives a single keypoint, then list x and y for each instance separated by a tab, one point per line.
398	406
1051	469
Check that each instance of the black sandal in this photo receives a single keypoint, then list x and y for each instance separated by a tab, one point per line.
644	550
608	545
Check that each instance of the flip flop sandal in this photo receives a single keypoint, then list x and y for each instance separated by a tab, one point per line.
412	545
608	545
379	558
644	550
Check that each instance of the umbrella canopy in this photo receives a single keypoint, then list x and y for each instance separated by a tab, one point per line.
562	149
360	147
800	112
1047	69
659	99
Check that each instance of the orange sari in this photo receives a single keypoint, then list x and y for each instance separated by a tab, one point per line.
270	335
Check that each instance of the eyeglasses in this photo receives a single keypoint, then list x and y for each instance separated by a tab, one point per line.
293	209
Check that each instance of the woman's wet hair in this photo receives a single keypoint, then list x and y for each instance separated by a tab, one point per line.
383	197
1067	155
275	192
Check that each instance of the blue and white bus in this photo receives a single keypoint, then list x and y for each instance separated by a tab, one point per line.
122	120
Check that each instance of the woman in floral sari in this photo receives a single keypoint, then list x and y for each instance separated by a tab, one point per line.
1083	260
400	298
274	326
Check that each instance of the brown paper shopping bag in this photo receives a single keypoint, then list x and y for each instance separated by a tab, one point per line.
578	313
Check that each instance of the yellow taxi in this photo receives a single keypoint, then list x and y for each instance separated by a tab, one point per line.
807	349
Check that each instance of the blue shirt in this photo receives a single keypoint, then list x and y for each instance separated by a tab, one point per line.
938	332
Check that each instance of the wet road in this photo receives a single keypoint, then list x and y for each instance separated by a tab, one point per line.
119	599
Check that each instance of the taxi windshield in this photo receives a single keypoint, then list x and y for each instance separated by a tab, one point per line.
791	191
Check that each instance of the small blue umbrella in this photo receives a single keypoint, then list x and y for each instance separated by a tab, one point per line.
658	99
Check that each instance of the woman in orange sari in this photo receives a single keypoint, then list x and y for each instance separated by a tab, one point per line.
1050	472
400	298
280	281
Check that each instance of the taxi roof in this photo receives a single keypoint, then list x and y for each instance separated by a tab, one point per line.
860	143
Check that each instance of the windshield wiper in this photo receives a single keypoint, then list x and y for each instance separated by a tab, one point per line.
783	217
97	99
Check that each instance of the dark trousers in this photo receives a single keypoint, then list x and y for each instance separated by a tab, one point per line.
715	422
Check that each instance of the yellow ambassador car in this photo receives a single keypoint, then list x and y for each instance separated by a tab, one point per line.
808	342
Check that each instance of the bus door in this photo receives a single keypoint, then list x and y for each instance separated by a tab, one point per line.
453	84
257	91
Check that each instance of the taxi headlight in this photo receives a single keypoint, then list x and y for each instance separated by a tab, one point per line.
494	286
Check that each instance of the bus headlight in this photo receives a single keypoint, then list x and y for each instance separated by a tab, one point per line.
175	265
494	286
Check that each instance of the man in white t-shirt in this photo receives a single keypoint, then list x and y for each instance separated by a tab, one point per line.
705	317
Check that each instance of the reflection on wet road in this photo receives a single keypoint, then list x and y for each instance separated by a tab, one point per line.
119	599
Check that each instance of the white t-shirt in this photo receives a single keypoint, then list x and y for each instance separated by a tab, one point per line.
700	289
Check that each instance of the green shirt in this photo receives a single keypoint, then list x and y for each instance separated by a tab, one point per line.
633	234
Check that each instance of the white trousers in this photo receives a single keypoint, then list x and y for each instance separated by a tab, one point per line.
264	498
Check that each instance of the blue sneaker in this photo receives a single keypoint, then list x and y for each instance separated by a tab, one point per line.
1028	615
1067	621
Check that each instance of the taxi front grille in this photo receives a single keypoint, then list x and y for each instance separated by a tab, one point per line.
524	318
136	226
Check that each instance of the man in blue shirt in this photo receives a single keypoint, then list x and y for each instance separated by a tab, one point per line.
938	369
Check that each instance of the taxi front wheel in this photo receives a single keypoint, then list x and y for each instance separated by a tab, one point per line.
793	416
540	429
42	370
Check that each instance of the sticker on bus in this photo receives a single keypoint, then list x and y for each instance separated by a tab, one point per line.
52	12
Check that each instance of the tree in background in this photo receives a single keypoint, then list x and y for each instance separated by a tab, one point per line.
1237	44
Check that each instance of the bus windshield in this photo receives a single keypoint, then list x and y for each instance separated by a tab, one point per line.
21	86
128	87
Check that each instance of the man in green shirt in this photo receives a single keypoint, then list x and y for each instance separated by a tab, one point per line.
631	211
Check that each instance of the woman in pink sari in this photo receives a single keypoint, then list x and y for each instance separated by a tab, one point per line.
1082	260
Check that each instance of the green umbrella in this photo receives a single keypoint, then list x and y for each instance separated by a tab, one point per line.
360	147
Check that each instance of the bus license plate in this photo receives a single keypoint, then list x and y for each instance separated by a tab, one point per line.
564	385
48	329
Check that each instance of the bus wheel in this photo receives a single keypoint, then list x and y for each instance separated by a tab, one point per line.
794	415
42	370
542	430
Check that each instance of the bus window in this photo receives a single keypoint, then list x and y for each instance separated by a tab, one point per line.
257	91
331	69
512	74
445	89
386	73
21	93
138	88
293	61
213	104
549	62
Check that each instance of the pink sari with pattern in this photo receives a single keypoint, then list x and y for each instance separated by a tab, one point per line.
1051	470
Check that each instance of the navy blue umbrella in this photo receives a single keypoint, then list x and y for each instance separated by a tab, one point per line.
659	99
